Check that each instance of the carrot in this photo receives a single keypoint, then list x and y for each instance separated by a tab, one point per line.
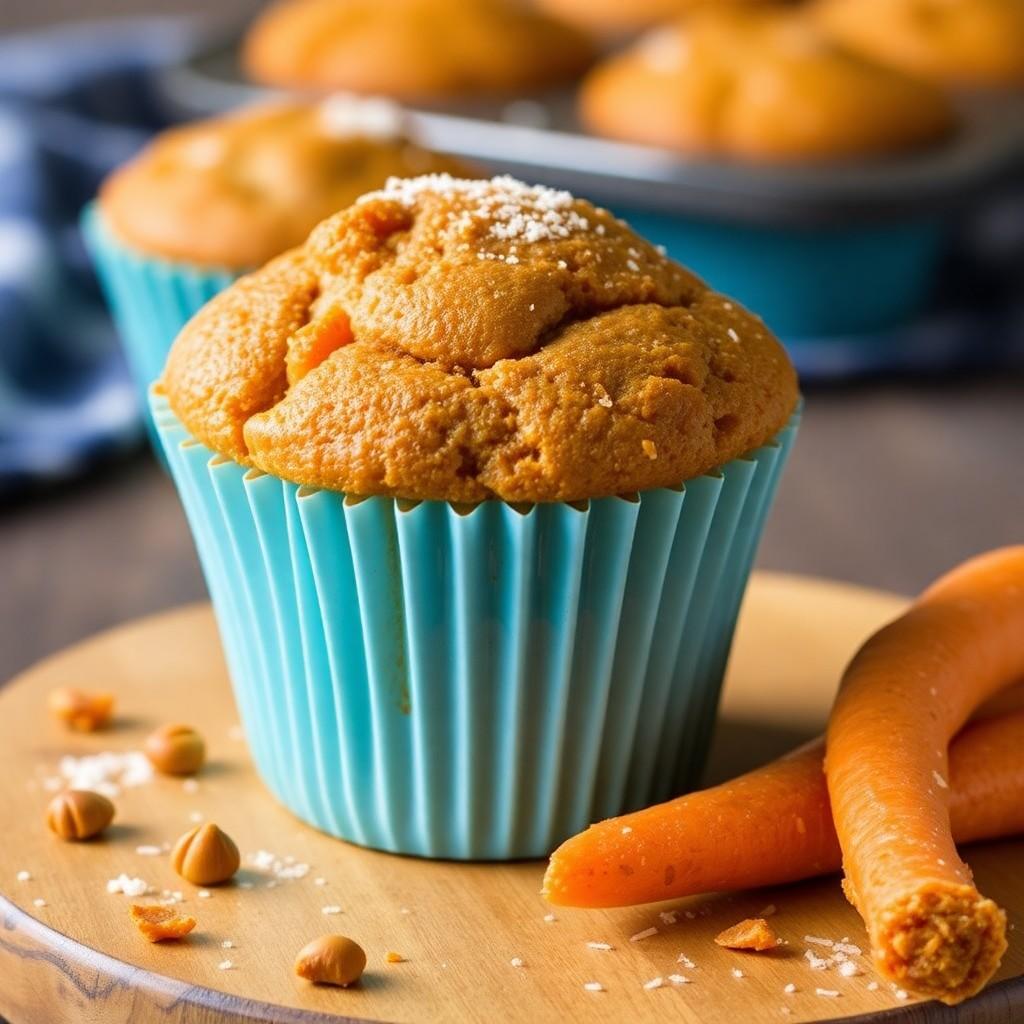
770	826
902	698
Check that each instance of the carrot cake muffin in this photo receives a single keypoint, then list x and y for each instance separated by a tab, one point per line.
464	340
960	42
412	49
237	190
759	85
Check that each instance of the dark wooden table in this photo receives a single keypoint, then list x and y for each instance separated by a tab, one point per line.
888	485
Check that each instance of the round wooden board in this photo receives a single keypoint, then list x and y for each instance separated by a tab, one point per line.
78	958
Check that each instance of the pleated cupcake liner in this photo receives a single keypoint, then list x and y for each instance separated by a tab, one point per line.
481	683
150	300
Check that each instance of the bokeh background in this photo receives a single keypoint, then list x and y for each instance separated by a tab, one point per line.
895	476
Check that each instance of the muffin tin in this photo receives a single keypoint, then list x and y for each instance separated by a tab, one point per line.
819	251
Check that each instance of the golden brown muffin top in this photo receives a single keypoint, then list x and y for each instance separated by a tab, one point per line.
960	42
615	17
759	85
464	340
234	191
412	49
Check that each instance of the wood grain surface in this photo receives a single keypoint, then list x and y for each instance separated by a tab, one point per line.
78	958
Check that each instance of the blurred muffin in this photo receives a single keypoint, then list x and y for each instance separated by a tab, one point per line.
762	85
617	17
203	203
411	642
977	43
412	49
235	191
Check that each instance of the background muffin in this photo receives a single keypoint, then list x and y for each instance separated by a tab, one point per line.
958	42
412	49
237	190
621	16
205	202
444	673
758	85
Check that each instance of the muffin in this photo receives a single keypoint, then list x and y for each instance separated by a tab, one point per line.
760	86
974	43
205	202
412	49
613	17
476	476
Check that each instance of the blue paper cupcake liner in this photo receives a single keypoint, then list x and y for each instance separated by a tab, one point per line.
150	299
472	683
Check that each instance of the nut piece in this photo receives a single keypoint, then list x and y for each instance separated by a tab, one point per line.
81	710
331	960
79	814
205	855
161	923
175	750
754	934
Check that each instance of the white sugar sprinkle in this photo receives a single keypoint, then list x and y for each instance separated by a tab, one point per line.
817	941
872	986
626	830
737	973
940	781
679	979
128	886
517	961
599	945
204	894
732	334
24	876
593	986
669	916
190	786
849	969
227	944
654	983
817	963
790	988
39	903
686	961
645	934
550	917
106	773
848	947
330	909
901	994
196	817
226	965
148	851
829	993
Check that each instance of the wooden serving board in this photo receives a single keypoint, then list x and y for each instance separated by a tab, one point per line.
78	959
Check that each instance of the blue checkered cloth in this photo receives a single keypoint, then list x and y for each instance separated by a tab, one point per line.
74	102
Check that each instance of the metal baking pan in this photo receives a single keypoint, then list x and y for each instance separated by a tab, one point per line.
816	248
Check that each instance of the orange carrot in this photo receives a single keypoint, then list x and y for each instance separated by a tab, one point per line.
770	826
902	698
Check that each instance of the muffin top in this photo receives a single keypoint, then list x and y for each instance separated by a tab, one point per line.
962	42
412	49
759	85
237	190
464	340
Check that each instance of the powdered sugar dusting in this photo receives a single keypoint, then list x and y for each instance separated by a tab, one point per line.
510	209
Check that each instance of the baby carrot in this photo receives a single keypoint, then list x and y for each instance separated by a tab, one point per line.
770	826
905	694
